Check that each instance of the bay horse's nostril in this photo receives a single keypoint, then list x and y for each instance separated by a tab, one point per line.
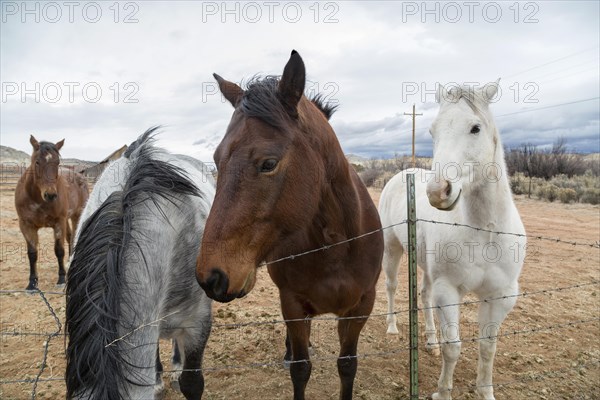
216	284
50	196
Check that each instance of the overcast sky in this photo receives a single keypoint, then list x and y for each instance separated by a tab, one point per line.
99	74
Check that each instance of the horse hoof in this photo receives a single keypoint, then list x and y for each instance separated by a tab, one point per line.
392	330
437	396
31	288
175	378
175	386
159	391
433	350
485	395
60	286
286	364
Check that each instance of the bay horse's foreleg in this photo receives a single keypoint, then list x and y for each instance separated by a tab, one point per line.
74	225
191	381
300	366
60	230
391	261
299	335
445	294
430	332
287	357
69	237
491	315
31	238
349	332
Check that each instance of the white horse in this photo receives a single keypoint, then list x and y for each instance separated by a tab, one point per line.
468	185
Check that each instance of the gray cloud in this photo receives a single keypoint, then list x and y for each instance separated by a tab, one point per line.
370	61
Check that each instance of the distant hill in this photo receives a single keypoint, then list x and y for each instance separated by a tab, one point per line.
354	159
8	155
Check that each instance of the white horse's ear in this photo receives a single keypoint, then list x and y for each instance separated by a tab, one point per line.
490	90
441	93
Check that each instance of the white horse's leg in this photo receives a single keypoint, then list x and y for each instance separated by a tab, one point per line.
391	260
491	315
450	335
432	345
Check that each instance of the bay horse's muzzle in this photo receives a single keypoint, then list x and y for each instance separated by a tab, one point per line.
50	196
216	285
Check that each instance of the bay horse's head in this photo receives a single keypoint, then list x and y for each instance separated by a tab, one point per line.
466	144
270	171
44	167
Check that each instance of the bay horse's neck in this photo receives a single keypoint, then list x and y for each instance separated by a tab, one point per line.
339	197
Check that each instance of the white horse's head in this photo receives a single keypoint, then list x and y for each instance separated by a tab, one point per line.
465	140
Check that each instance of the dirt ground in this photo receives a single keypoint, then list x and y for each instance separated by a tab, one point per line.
245	362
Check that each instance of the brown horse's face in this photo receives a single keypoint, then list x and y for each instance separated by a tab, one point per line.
44	162
265	190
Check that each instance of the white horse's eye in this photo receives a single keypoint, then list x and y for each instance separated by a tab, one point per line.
475	129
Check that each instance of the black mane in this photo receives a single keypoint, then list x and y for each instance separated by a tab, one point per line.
146	138
326	108
261	100
95	286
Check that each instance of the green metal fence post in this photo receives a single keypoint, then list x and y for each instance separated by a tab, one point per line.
412	287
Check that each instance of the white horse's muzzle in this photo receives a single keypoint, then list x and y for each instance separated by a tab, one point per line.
442	194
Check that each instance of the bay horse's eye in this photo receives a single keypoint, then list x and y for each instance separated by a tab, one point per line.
268	165
475	129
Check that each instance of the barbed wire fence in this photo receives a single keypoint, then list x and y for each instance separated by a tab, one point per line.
58	331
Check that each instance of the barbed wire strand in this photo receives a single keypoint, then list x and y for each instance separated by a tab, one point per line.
28	292
328	246
336	318
537	237
47	344
364	355
396	351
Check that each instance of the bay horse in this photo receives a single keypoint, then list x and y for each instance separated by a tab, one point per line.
469	185
284	187
47	196
131	279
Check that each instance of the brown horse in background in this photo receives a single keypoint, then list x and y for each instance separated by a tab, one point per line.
284	187
46	197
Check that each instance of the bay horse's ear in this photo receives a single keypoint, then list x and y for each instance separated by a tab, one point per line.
34	142
291	85
59	145
232	92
